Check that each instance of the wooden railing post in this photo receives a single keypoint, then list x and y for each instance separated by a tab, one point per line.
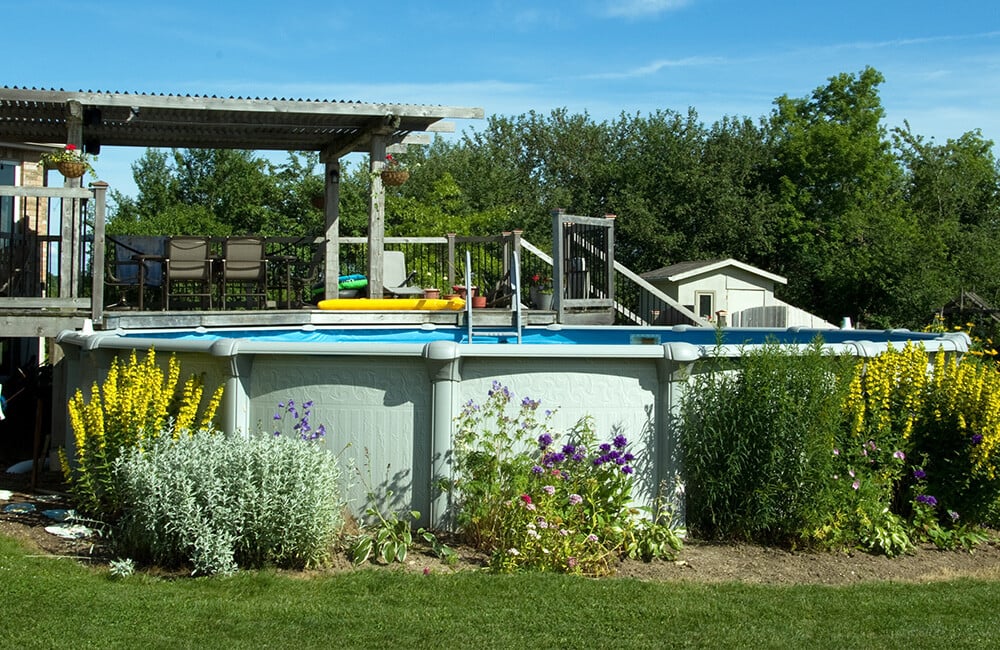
98	252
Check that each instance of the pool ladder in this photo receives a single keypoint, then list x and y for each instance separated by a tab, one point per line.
515	281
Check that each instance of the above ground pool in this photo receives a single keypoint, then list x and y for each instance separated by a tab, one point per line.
550	335
388	396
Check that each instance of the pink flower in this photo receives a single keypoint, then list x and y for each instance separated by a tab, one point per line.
856	484
549	490
526	498
898	454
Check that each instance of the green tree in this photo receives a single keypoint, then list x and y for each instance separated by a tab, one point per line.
846	239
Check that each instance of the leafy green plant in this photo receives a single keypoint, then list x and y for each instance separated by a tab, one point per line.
755	441
387	540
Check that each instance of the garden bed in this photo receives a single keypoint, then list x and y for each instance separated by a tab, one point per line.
698	561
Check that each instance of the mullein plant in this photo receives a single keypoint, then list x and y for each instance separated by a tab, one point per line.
135	405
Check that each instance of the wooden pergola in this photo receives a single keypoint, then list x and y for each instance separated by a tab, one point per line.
91	120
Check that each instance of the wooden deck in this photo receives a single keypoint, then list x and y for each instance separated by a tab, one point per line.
129	320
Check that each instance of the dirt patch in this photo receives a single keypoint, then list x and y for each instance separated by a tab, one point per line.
698	561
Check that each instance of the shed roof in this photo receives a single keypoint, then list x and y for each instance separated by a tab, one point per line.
685	270
211	122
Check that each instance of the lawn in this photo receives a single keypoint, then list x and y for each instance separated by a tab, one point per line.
48	602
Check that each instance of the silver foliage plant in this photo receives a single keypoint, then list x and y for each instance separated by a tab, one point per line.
221	502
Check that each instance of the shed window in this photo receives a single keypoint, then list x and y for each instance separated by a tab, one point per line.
706	304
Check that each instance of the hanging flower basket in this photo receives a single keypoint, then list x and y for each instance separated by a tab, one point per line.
395	177
70	161
71	169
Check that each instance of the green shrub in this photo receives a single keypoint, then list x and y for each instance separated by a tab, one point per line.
756	441
218	502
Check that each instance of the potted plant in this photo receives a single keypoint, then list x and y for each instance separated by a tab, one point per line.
432	285
541	291
70	161
394	173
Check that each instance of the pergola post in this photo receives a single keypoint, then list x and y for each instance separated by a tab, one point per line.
331	243
376	215
69	256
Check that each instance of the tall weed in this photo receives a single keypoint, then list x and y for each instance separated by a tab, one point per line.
756	442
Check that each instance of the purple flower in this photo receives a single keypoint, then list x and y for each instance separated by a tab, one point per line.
977	438
898	454
575	499
919	474
628	457
569	450
577	457
620	441
549	490
953	515
537	469
627	469
605	447
544	440
927	499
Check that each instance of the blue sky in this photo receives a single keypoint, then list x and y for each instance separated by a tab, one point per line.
604	57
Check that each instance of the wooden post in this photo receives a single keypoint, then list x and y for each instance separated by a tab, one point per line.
98	253
376	216
331	255
69	229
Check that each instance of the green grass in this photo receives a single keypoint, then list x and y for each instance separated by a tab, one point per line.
56	603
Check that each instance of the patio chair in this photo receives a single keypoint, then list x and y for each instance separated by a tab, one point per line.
245	265
188	270
136	264
394	276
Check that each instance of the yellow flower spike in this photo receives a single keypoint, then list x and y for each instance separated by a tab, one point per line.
211	408
131	406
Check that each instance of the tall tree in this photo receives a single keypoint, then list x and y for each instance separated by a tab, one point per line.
846	241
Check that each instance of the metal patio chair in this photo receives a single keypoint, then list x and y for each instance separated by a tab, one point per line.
188	270
244	264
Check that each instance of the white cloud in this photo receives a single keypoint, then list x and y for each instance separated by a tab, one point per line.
637	8
655	66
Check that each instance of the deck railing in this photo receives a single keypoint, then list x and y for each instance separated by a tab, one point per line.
49	237
52	236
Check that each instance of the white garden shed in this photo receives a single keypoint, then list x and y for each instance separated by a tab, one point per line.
742	293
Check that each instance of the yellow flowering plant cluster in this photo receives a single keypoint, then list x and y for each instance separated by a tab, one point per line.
922	434
136	403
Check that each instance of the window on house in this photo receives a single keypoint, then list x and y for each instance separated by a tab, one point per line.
7	169
706	303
